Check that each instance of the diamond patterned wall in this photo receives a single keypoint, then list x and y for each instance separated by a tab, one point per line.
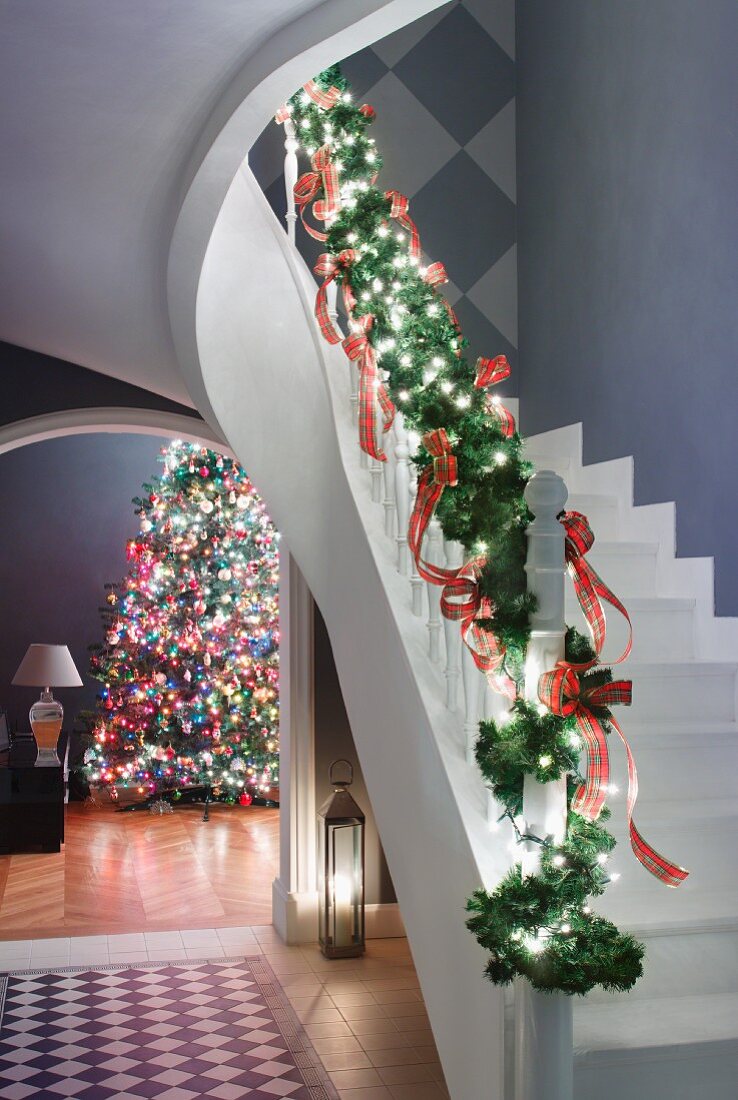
444	91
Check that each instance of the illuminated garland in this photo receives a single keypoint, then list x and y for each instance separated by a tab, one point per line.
190	662
407	343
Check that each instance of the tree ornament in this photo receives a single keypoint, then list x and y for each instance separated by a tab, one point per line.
206	506
245	799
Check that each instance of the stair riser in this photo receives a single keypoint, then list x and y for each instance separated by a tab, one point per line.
658	635
626	574
709	1073
708	853
670	773
690	696
602	513
678	965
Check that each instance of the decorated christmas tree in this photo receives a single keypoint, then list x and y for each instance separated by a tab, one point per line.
189	662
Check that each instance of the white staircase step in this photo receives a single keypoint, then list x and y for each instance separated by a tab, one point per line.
663	628
676	1047
679	760
694	690
629	568
601	511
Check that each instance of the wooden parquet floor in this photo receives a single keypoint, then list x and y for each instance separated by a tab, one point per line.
133	872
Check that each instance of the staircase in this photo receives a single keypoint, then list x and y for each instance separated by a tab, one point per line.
676	1034
282	397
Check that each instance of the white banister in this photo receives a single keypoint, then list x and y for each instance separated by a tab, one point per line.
402	493
543	1022
416	581
434	555
454	553
291	145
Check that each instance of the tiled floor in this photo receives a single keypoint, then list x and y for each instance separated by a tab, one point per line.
365	1016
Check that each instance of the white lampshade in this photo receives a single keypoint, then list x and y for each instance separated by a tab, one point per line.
47	666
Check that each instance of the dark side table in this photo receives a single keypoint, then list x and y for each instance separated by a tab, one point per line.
31	802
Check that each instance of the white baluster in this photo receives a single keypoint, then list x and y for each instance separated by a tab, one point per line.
402	493
331	294
388	478
291	145
475	685
454	553
543	1025
376	468
354	385
416	581
434	555
496	709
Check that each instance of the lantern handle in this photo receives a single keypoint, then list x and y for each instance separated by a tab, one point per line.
341	782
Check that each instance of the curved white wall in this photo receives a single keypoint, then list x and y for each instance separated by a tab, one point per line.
272	384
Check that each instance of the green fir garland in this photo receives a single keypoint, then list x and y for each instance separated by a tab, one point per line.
539	926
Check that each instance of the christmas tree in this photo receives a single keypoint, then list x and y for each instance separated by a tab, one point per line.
190	657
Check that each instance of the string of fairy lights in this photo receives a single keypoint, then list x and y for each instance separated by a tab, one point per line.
189	663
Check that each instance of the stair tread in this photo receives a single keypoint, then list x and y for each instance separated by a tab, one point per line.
668	910
678	813
655	1022
608	546
679	666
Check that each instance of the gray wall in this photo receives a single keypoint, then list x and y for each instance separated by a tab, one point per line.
333	741
628	247
444	92
67	513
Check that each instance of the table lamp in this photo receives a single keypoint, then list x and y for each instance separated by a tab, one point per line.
47	666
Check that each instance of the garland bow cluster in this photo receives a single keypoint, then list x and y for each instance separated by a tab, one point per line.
406	341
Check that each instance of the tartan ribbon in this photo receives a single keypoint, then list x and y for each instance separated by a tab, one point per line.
307	188
462	602
283	113
435	274
325	99
368	111
434	479
489	373
399	211
329	267
589	587
561	691
372	391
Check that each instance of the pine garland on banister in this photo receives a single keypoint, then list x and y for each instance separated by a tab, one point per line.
408	346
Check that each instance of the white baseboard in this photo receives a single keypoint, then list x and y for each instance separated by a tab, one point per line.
295	917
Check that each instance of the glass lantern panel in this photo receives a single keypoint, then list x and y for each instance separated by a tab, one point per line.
344	885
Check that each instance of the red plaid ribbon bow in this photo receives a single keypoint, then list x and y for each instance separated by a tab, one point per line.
329	267
489	373
325	99
371	388
462	602
325	176
432	482
560	690
399	211
435	274
589	587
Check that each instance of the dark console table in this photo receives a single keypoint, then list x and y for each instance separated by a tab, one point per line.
31	802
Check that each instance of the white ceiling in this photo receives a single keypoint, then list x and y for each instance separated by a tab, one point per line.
103	102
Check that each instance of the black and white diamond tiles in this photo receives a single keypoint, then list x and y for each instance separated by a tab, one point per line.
444	91
179	1031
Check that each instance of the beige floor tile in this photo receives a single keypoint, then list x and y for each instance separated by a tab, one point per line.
346	1000
409	1023
377	1026
363	1012
338	985
355	1078
374	1092
420	1038
394	1056
427	1090
319	1016
383	1040
316	1000
375	984
336	1044
406	1075
326	1029
396	996
353	1059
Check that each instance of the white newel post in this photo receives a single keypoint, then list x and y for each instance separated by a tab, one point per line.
416	581
543	1022
291	146
454	552
402	493
434	555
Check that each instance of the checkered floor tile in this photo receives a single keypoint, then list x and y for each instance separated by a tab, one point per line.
219	1029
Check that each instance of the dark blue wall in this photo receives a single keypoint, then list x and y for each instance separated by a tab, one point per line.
628	247
67	513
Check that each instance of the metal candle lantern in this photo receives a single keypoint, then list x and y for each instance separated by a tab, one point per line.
341	870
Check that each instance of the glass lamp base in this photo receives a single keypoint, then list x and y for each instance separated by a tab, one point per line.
46	716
